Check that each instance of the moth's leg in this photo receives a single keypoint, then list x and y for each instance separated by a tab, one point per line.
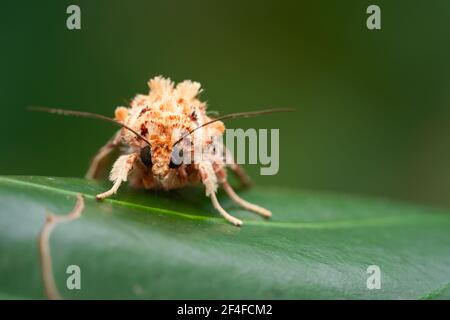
241	175
243	203
209	179
119	174
104	151
222	176
238	171
222	211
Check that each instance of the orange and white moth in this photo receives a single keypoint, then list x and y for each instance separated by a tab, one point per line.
159	128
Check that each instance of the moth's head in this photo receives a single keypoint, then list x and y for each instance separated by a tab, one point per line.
160	157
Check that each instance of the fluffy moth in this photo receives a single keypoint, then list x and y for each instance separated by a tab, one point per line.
159	131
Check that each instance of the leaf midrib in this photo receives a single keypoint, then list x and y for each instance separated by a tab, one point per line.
373	222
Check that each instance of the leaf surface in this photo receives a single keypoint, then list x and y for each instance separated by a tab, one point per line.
173	245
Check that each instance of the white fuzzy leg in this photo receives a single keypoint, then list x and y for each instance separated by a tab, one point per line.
209	179
245	204
102	154
222	211
119	174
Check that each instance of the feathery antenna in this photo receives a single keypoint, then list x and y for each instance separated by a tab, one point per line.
91	115
86	115
247	114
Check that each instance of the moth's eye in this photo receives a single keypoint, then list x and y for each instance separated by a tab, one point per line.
176	159
146	156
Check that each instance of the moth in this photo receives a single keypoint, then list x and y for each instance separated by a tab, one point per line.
157	130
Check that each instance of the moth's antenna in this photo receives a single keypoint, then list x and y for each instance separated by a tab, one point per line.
86	115
247	114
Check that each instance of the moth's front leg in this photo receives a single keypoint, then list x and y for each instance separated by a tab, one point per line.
209	179
119	174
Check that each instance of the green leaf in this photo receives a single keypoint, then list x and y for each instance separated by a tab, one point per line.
147	244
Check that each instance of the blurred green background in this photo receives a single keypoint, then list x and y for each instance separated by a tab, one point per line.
373	107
